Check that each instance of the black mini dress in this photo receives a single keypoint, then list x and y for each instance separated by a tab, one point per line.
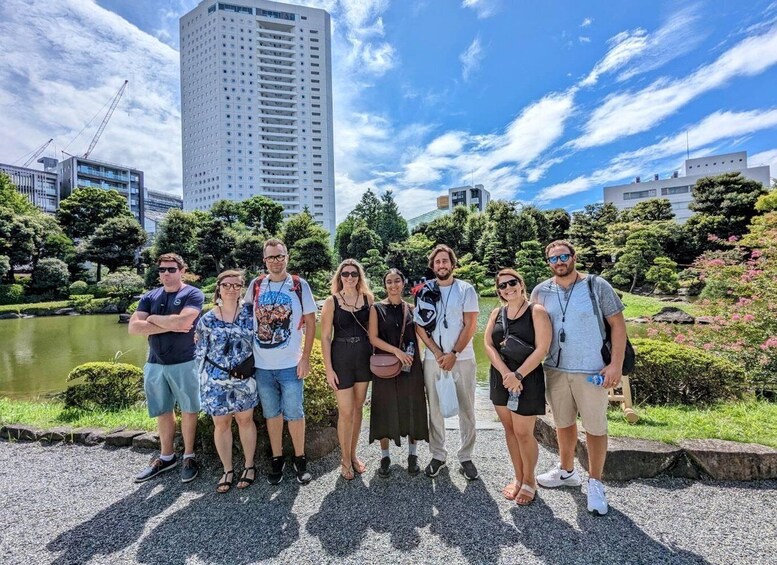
351	347
532	401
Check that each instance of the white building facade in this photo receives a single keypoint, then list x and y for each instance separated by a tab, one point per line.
256	105
40	187
678	189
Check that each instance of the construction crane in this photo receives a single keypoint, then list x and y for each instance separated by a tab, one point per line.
37	152
107	117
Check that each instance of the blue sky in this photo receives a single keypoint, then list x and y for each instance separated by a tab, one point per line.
544	102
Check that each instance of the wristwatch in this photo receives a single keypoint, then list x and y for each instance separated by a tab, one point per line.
518	375
456	353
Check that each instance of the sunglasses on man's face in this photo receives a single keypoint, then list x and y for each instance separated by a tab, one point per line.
161	270
346	274
231	286
564	257
505	284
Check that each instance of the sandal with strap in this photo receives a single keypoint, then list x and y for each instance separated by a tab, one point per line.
244	480
346	471
357	466
226	483
523	500
511	490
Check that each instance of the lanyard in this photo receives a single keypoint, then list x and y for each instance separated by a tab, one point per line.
562	336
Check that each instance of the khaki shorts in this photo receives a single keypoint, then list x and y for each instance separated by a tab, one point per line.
569	394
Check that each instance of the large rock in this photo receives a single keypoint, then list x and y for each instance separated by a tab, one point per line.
672	315
124	318
122	438
10	316
146	441
65	312
54	435
732	461
86	436
632	458
17	432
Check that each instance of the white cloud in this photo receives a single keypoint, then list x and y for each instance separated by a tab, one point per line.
471	58
586	22
483	8
584	39
765	158
623	48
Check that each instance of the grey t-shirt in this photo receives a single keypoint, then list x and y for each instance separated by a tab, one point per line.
571	310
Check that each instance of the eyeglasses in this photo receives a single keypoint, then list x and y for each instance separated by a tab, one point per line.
353	274
232	286
275	258
161	270
504	285
564	257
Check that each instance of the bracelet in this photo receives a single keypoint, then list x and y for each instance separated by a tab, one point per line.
518	376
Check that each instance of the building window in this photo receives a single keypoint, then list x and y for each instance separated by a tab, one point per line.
675	190
639	194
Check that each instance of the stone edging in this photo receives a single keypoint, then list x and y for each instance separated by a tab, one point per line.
632	458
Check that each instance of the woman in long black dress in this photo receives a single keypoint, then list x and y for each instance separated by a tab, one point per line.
398	407
346	348
531	324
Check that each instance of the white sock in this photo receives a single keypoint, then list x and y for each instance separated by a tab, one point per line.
411	448
384	453
167	458
188	455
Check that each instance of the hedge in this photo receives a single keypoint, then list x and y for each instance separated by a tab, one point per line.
107	385
670	373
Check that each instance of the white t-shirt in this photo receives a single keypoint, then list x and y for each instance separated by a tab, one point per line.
277	315
455	301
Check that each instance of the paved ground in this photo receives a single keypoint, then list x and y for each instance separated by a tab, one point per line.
75	504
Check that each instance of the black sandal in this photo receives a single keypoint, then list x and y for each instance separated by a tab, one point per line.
226	483
245	479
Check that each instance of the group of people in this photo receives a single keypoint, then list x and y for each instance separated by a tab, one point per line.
254	347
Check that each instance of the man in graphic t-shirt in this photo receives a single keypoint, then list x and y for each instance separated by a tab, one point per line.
285	328
167	315
449	349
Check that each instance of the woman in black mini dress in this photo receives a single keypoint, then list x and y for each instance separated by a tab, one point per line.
530	323
346	347
398	405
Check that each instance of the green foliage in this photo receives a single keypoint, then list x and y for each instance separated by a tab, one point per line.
5	266
447	229
410	256
262	215
587	226
472	272
543	227
132	307
506	230
690	279
641	248
381	216
122	284
249	252
767	202
375	267
11	293
83	303
530	262
310	255
663	274
320	404
50	275
651	210
729	196
17	238
50	414
116	243
302	226
78	288
104	385
559	221
343	236
362	240
391	227
227	210
215	243
177	233
13	199
86	209
670	373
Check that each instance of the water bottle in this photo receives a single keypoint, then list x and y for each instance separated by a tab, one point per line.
410	350
512	400
596	380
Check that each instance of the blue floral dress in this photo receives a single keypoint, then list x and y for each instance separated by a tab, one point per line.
227	345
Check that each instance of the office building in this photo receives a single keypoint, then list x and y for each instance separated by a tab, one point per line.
157	204
678	188
40	187
256	106
77	172
458	196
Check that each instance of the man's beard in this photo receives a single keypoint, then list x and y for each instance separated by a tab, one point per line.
444	277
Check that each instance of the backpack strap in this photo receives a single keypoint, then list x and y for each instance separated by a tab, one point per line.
296	286
595	305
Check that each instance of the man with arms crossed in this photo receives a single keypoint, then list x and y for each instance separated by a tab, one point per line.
449	348
167	315
283	305
575	354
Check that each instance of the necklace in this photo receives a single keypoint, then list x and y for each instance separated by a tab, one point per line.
445	306
275	293
352	306
234	318
518	311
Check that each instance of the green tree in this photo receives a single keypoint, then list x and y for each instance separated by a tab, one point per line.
215	242
652	210
410	256
543	226
472	272
391	227
262	213
530	262
177	233
447	229
302	226
17	239
663	274
587	229
362	240
116	243
51	241
767	202
474	227
12	199
309	256
368	209
124	284
249	252
50	275
505	231
86	209
343	236
730	196
227	210
375	267
5	266
642	247
559	221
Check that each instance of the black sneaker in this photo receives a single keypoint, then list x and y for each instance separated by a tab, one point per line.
301	469
385	467
189	469
155	467
412	465
469	471
433	468
275	476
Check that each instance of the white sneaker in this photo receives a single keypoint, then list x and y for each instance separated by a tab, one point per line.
558	477
597	500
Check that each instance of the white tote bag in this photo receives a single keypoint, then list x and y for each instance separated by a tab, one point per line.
446	394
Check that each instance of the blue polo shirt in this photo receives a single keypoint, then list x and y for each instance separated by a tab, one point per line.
170	348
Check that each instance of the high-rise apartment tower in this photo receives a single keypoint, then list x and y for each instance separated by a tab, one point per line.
256	104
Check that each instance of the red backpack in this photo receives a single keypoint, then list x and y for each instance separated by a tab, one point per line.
296	287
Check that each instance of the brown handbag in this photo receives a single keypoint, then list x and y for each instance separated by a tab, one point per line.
386	365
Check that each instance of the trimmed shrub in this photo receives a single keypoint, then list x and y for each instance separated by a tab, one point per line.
320	403
132	307
670	373
81	302
105	385
50	276
79	287
11	293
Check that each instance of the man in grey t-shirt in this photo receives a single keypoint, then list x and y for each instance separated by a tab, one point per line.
575	355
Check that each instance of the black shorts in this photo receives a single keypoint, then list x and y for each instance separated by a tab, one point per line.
351	362
532	401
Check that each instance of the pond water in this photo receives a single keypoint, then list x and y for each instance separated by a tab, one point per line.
38	353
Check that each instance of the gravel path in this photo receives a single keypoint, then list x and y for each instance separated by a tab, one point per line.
74	504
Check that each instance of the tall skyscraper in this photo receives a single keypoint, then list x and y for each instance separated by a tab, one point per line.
256	104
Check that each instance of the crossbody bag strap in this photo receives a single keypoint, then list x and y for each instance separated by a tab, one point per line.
357	320
595	305
503	317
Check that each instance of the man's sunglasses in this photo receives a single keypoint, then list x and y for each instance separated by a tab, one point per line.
161	270
346	274
564	257
275	258
231	286
504	285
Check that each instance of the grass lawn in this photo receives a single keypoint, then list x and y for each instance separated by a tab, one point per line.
747	422
644	306
53	414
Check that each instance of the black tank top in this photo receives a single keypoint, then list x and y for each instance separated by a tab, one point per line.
346	326
522	327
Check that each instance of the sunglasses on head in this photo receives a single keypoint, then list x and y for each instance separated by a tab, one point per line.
161	270
346	274
564	257
505	284
232	286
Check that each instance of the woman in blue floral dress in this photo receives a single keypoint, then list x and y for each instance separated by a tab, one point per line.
223	343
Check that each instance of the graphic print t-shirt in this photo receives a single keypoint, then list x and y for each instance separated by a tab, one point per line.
278	338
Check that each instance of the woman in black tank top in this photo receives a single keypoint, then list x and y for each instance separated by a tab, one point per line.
530	324
346	348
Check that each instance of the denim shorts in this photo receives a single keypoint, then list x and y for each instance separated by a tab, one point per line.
280	392
167	384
